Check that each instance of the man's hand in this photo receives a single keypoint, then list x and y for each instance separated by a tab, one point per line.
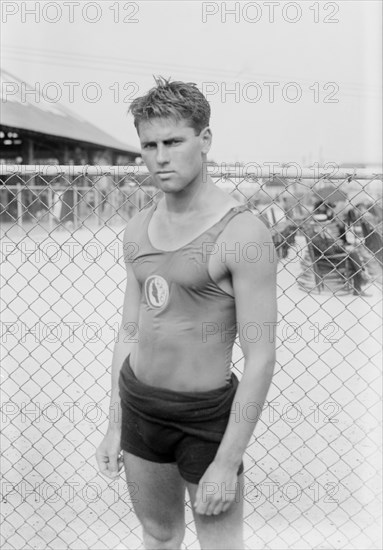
217	490
107	454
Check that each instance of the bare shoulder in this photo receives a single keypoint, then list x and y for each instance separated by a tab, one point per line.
130	246
252	242
246	225
221	201
135	223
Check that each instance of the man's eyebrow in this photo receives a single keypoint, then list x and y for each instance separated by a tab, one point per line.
171	138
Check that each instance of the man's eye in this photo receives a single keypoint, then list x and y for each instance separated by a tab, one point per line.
149	146
172	142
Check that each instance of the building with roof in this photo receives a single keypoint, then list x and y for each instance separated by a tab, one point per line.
34	129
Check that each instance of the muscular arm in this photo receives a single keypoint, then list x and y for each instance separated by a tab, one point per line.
127	337
128	331
254	285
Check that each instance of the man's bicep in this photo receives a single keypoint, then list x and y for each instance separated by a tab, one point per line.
131	299
254	286
132	292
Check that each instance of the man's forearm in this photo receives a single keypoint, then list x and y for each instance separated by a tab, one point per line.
245	412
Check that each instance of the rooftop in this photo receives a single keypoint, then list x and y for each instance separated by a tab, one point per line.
35	113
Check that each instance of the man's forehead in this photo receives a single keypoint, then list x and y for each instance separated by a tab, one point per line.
163	128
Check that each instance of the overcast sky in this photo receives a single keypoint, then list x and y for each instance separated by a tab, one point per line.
325	69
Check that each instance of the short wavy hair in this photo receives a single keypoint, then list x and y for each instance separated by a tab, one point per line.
176	100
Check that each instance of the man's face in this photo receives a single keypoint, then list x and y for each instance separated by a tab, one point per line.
172	152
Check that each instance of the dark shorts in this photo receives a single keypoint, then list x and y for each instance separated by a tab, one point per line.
165	426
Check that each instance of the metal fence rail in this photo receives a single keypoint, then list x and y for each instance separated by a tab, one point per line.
312	466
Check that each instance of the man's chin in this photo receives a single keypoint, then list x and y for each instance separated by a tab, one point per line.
170	186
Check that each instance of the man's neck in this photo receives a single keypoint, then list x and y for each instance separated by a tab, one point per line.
189	201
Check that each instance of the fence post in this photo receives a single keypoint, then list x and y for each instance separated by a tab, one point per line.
75	207
97	203
19	205
50	207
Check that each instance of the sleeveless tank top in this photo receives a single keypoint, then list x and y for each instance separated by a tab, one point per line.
184	315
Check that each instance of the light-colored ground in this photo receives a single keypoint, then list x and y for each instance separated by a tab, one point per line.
312	466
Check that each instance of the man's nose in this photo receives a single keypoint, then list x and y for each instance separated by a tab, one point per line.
162	155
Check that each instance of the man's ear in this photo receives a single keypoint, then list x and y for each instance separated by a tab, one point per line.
206	138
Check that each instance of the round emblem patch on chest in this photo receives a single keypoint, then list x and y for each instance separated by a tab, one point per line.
156	291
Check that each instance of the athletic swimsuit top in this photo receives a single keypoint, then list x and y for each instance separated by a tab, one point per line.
184	317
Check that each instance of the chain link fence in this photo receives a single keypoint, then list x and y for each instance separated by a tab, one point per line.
312	465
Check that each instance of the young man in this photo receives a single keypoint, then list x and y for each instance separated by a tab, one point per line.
200	268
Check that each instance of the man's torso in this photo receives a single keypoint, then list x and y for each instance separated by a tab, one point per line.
187	312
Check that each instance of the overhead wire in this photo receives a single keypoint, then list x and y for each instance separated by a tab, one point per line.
122	66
